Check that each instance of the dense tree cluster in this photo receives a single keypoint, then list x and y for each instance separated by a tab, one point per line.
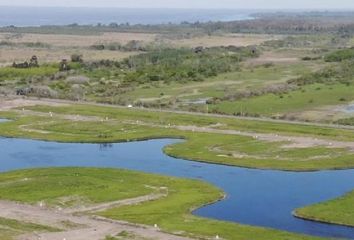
172	65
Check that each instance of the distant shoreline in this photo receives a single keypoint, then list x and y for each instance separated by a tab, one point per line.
43	16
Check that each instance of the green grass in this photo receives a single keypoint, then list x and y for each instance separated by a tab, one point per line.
208	147
171	213
165	118
248	152
89	186
219	86
337	211
309	97
340	55
10	73
346	121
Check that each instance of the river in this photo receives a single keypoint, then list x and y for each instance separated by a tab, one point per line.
256	197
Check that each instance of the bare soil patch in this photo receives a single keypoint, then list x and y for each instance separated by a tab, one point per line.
273	57
77	227
225	40
62	40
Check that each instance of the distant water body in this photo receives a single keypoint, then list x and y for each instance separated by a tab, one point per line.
37	16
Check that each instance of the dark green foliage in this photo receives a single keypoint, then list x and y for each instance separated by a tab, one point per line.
340	55
339	73
346	121
184	65
132	45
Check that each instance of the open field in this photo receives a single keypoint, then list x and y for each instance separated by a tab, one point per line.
240	40
55	55
84	183
58	40
54	47
336	211
307	98
219	86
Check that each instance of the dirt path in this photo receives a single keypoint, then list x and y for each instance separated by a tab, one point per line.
78	227
289	141
105	206
10	103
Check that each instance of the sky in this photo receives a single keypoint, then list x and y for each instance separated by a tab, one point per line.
236	4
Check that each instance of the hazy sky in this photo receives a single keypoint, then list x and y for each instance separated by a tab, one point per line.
254	4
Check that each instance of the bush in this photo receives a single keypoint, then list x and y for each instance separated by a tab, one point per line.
340	55
76	58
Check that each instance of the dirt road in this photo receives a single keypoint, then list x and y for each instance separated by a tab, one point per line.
78	226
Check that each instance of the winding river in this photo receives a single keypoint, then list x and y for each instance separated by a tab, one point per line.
256	197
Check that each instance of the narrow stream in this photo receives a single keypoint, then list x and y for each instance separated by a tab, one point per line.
256	197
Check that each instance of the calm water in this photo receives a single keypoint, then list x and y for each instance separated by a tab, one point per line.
256	197
31	16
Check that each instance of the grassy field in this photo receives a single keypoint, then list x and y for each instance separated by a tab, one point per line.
308	97
164	119
54	47
337	211
56	54
130	124
346	121
9	73
219	86
171	213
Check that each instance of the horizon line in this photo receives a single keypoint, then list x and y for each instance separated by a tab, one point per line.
191	8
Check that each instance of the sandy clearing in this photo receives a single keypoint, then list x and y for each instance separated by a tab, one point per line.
7	104
240	40
63	40
273	57
86	227
55	55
